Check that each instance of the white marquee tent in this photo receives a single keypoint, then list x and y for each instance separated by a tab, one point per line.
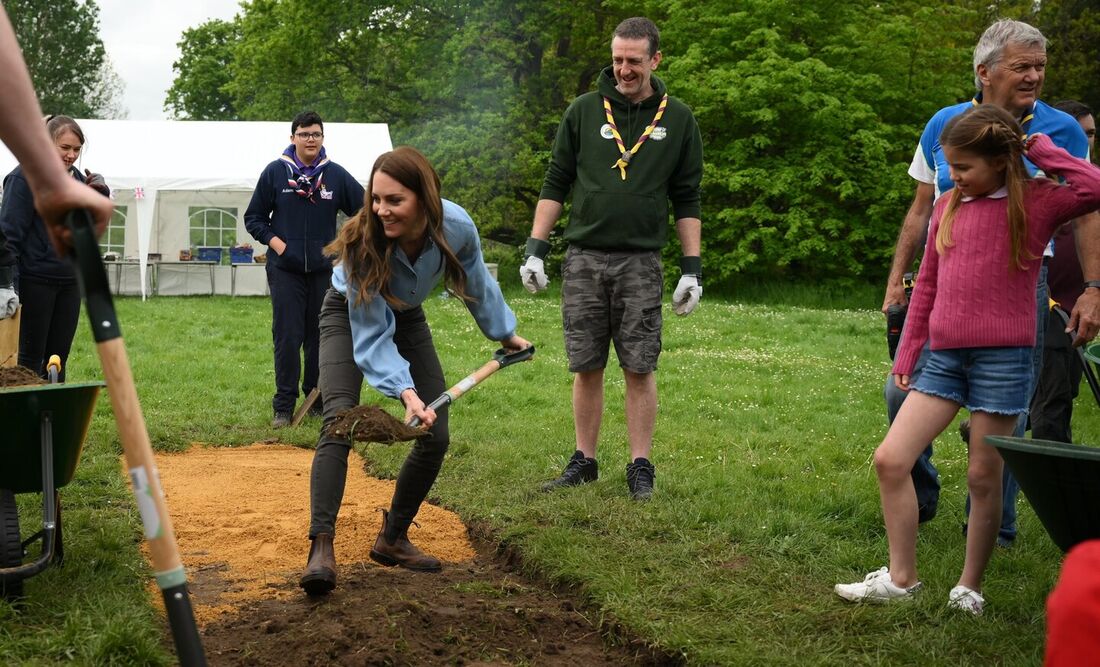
164	173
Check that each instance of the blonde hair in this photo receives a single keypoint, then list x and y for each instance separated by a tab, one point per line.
991	133
362	246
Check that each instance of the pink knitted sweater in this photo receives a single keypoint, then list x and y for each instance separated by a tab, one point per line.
973	295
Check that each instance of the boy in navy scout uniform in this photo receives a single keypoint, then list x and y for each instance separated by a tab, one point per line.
626	151
293	212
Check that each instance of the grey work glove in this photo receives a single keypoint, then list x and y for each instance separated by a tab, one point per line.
533	272
97	183
687	294
690	288
533	275
9	299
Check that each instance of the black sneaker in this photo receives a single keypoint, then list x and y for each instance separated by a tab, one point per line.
639	477
281	419
579	470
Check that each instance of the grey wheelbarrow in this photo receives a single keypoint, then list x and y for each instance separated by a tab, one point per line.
44	430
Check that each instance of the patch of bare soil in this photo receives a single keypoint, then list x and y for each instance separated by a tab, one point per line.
17	376
241	518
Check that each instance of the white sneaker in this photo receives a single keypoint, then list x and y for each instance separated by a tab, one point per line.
876	587
963	598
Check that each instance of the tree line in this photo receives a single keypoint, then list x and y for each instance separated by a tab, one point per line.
65	57
810	110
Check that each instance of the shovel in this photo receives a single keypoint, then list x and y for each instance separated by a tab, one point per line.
167	566
370	423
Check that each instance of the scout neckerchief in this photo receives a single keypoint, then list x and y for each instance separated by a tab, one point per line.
623	162
299	176
1025	122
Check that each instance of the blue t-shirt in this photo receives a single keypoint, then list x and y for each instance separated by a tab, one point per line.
930	166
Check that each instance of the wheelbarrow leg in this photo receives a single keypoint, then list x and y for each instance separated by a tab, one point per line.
49	493
58	543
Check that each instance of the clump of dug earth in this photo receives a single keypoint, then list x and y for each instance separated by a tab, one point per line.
370	423
17	376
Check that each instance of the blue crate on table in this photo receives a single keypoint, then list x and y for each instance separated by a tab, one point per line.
240	255
209	254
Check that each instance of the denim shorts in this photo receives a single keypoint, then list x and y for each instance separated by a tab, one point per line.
982	379
612	297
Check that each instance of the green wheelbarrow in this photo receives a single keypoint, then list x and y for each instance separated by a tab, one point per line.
1062	483
44	430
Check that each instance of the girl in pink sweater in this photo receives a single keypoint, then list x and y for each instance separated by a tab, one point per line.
974	305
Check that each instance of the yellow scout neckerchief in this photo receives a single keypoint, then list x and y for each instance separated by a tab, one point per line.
1025	122
623	162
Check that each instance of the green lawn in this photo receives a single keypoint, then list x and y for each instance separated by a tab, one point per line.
766	497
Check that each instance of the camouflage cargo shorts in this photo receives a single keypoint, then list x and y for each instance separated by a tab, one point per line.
612	297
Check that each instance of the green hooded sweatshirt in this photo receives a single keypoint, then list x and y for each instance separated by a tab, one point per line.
608	212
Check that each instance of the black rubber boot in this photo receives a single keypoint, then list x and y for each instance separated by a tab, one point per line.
320	574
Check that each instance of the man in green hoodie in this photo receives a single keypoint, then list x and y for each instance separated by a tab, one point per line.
626	151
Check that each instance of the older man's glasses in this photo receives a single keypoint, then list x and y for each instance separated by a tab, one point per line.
309	135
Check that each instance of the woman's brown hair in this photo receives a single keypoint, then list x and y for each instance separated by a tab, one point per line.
990	132
362	247
55	125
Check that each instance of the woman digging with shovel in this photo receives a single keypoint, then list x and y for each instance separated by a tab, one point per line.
389	257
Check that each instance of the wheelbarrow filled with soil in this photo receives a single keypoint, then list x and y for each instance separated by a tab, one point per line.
1062	483
44	426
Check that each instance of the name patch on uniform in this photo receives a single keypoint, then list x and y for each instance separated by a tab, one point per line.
606	132
659	133
326	193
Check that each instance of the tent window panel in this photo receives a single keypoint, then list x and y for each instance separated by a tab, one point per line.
114	238
214	227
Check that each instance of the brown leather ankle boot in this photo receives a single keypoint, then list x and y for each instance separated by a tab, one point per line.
400	551
320	574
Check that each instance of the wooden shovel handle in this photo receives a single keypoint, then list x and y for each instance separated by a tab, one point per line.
140	464
500	359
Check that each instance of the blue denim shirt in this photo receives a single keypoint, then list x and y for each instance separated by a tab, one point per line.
373	322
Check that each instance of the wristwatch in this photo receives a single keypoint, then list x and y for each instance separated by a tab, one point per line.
1092	283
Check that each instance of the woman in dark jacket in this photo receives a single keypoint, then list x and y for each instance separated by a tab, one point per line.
45	281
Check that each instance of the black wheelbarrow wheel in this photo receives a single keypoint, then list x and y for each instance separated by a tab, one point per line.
11	548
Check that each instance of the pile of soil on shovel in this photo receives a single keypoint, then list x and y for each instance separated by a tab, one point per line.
370	423
241	516
17	376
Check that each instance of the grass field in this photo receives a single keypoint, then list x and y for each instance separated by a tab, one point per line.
770	407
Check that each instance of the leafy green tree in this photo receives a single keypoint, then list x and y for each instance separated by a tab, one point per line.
1072	27
810	115
350	60
810	111
199	91
107	95
521	64
64	54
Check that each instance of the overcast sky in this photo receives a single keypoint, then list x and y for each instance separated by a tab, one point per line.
141	39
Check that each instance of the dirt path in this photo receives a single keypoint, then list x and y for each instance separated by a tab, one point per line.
241	516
